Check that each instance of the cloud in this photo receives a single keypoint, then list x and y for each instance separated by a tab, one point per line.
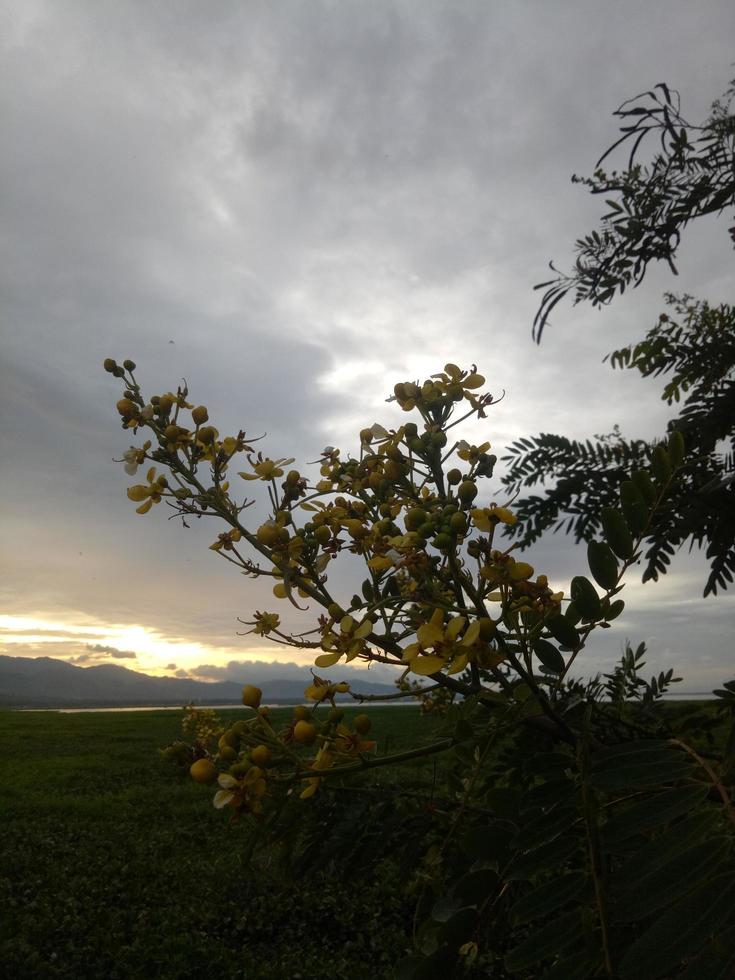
99	648
171	667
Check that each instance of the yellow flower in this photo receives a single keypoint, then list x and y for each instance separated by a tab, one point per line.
349	642
487	518
225	540
134	458
324	760
352	743
243	794
322	690
447	648
267	469
469	453
264	623
151	494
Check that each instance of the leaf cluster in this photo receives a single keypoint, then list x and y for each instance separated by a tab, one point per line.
691	174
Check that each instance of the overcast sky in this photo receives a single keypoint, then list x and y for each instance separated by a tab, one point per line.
294	205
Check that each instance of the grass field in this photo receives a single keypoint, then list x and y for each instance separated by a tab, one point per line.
114	864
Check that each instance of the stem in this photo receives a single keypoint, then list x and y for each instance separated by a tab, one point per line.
716	782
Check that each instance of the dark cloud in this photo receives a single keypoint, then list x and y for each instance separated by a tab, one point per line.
107	651
171	667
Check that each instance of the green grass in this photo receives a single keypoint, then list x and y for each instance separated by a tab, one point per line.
115	864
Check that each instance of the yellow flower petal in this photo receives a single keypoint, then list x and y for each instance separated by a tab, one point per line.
137	493
454	627
472	635
328	659
458	664
426	665
429	634
222	797
144	508
364	629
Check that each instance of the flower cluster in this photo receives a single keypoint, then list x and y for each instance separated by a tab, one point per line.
443	601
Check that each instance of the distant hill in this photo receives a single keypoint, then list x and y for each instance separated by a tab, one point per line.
42	682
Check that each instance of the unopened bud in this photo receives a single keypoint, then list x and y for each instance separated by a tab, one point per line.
199	415
109	365
129	365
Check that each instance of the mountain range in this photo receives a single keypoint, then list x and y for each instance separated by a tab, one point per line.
43	682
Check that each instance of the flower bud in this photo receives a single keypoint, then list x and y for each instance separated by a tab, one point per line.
126	408
171	432
251	696
129	365
109	365
304	732
199	415
207	434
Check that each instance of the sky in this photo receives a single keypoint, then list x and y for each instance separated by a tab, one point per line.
294	205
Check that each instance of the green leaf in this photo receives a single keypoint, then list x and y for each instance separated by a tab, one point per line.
639	775
603	564
617	533
544	827
654	812
584	596
553	938
577	966
716	961
459	928
614	610
681	932
677	838
563	632
551	855
548	897
668	883
474	887
573	614
549	656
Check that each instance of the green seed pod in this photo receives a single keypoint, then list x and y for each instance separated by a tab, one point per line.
642	480
454	476
467	491
635	507
661	464
442	542
410	430
415	518
584	596
617	532
439	439
677	448
458	523
603	564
